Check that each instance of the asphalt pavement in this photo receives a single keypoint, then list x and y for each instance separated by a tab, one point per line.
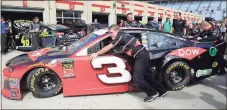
206	94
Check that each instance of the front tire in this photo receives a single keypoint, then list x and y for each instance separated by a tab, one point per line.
177	75
44	83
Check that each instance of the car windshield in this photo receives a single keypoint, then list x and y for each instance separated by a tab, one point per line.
57	27
81	43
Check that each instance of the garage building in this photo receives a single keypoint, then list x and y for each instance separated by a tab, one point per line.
106	12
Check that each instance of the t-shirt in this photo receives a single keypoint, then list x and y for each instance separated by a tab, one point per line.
167	26
34	26
3	28
131	24
127	43
179	26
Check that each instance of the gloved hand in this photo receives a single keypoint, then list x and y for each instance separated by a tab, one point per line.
199	38
190	37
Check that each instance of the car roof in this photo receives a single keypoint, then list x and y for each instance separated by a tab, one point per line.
103	31
125	28
56	26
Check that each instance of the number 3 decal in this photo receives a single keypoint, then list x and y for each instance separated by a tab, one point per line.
120	68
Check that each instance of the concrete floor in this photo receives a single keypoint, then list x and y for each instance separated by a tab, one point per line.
207	94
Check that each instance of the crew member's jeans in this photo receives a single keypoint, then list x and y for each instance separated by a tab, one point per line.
36	41
3	43
141	68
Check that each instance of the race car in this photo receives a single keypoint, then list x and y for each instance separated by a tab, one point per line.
79	27
47	72
51	35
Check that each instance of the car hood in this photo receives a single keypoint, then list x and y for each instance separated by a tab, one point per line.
28	58
20	59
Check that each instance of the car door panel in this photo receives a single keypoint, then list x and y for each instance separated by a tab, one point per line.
87	82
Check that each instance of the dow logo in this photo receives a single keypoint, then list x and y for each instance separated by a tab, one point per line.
183	52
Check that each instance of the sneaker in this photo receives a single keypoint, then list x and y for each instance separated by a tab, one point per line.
150	97
221	73
164	94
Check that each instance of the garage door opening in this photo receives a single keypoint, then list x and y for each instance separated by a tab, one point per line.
14	16
101	18
121	17
150	19
138	18
159	20
21	15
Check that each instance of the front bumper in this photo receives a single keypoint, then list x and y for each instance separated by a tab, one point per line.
11	87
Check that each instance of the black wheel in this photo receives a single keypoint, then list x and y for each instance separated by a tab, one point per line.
43	83
177	75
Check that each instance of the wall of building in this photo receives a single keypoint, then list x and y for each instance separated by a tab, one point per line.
87	7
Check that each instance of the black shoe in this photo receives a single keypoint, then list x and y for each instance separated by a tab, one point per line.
221	73
151	97
163	94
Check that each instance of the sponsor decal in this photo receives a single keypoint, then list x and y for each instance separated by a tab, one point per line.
188	52
212	51
172	67
14	83
68	68
215	64
14	93
35	54
205	72
38	64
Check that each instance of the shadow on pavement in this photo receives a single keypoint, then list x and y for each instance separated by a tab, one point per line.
24	93
208	98
181	95
216	83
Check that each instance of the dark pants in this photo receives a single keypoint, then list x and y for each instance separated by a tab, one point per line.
36	41
3	43
141	68
181	34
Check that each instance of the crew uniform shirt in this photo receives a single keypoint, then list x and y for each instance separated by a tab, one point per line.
213	33
128	44
3	28
179	26
131	24
34	26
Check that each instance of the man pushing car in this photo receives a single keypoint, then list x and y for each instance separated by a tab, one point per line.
132	47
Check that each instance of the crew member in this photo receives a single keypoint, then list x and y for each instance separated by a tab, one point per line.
213	32
128	44
195	31
4	48
179	25
130	22
121	23
34	29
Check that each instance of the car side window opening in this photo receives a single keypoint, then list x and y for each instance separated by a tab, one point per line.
98	46
44	29
159	41
137	34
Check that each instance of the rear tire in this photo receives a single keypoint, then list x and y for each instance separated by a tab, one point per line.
44	83
177	75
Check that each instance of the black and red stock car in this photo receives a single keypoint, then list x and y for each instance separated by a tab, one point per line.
175	62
